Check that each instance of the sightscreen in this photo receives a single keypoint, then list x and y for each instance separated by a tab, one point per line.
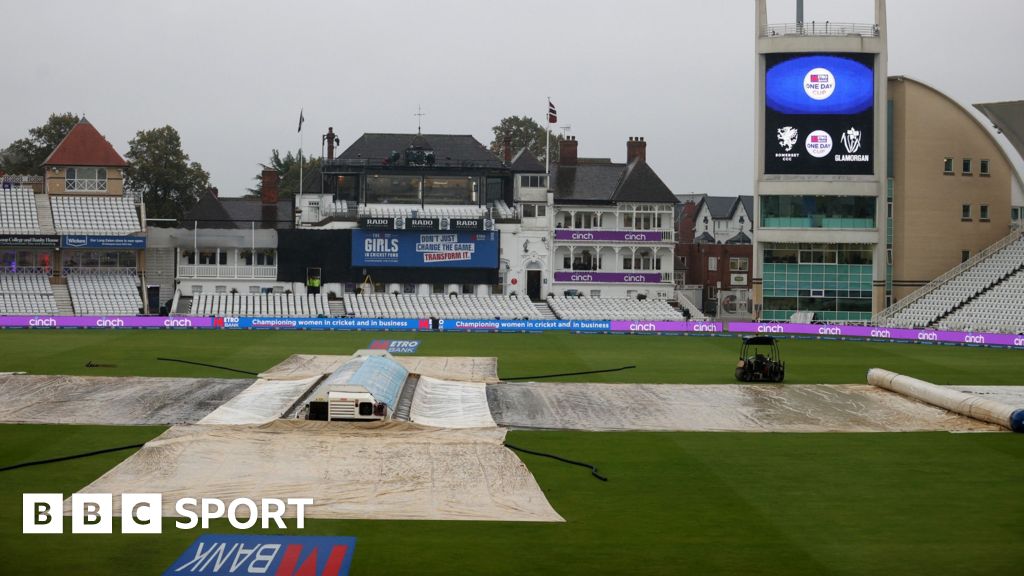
819	114
424	250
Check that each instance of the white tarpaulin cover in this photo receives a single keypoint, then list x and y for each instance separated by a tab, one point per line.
468	368
725	407
112	400
450	404
373	471
264	401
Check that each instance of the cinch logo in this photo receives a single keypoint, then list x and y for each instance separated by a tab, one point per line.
830	330
633	278
178	322
42	322
1018	341
582	236
705	328
879	333
819	83
818	144
648	327
269	555
771	329
634	236
927	336
974	339
581	278
110	322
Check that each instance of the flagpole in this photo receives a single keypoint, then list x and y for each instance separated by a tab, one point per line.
547	144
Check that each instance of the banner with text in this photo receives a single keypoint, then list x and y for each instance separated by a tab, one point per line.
424	250
613	277
921	335
105	322
610	235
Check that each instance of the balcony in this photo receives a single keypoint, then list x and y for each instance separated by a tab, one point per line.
227	272
821	29
577	235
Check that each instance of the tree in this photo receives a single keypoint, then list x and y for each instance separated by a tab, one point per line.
523	132
26	155
287	167
160	171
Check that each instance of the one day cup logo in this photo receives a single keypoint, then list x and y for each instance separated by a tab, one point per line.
818	143
819	83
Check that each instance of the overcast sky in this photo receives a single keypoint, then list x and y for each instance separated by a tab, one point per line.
231	76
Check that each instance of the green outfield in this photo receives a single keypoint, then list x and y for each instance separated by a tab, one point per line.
676	503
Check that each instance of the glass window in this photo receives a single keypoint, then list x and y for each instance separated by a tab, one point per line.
983	212
966	168
542	210
1014	213
529	211
207	257
739	264
712	264
108	259
246	256
222	258
449	190
965	255
627	263
965	212
983	168
408	288
437	288
188	256
467	288
947	166
126	259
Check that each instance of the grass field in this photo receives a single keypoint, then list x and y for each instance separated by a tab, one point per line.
676	503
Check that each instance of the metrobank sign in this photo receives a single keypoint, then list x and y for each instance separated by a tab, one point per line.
215	554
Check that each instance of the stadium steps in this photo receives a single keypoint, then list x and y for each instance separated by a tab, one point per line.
336	308
404	405
45	216
545	311
970	299
184	307
62	296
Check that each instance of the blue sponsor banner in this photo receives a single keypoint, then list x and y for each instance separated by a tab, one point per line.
397	248
820	84
120	242
213	554
524	325
322	323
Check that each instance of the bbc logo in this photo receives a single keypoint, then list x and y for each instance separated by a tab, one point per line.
91	513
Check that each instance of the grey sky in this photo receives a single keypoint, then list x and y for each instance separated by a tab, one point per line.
231	76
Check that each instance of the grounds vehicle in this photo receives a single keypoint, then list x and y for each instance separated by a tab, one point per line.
760	360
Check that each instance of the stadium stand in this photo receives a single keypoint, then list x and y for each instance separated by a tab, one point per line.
996	310
955	295
26	293
575	308
113	215
458	307
102	293
279	305
18	212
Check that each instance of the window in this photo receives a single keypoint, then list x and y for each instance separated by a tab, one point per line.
542	211
529	211
533	181
888	209
739	264
246	257
888	256
222	258
408	288
965	255
207	257
712	264
966	167
467	288
965	212
437	288
1014	214
265	257
85	179
983	168
947	166
983	212
627	263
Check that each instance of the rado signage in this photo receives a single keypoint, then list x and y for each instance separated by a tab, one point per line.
377	223
421	224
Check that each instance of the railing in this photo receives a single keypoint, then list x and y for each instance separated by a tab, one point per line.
27	270
85	185
821	29
126	270
923	290
227	272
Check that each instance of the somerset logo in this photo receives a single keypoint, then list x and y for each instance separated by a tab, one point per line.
851	140
818	144
213	554
787	137
819	83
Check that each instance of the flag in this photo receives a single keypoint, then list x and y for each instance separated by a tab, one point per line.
301	120
552	113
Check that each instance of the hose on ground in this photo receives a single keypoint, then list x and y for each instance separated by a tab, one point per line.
593	469
70	457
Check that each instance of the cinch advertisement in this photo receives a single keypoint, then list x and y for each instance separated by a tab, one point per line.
424	249
819	114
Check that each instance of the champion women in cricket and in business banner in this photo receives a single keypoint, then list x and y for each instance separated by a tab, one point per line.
819	114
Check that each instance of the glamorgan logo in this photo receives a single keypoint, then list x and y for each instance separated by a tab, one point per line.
269	555
819	83
851	140
787	136
818	144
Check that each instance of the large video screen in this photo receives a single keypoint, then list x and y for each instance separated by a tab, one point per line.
819	114
389	249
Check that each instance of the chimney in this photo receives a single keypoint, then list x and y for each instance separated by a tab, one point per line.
636	148
213	190
568	151
506	148
271	185
332	140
